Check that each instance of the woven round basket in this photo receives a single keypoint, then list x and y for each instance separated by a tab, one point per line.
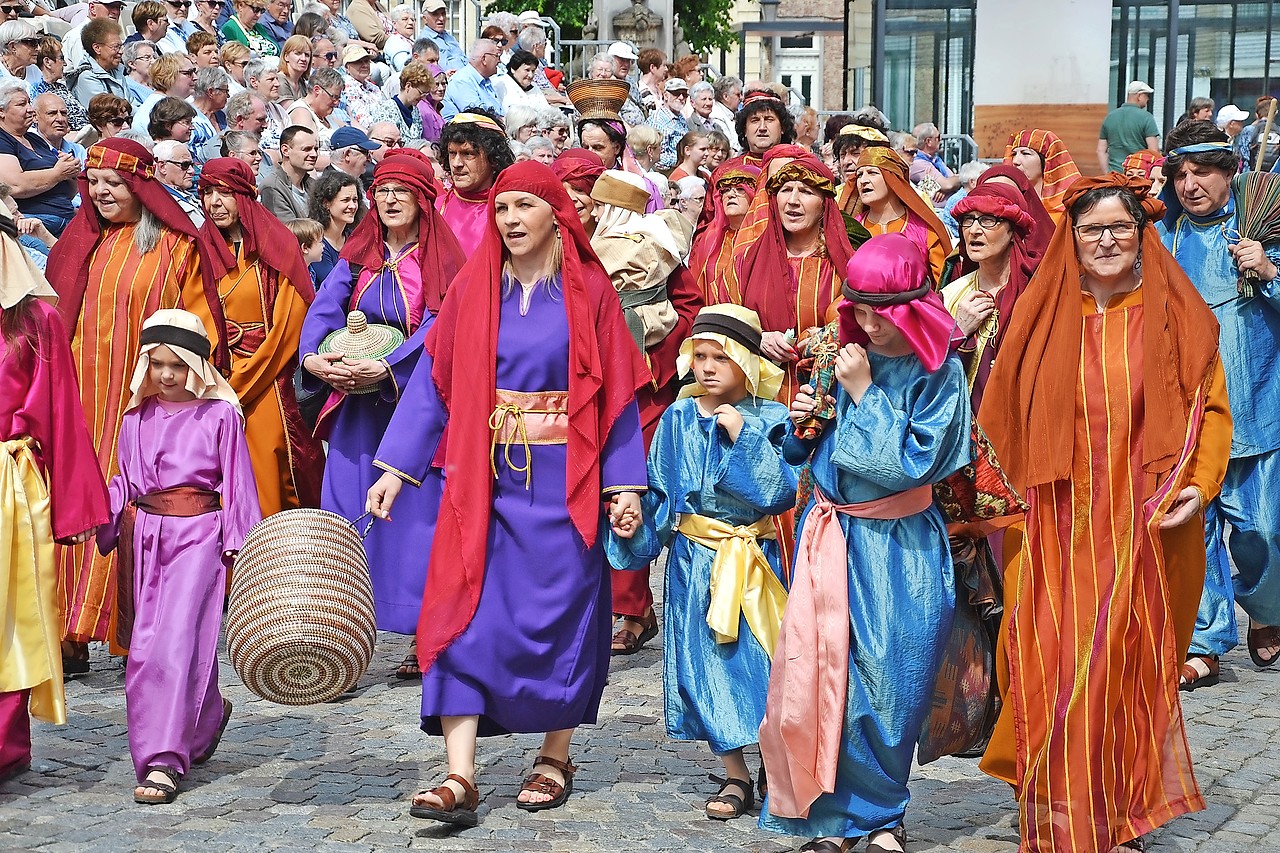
300	619
362	339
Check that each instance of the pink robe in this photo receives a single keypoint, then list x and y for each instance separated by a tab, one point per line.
465	216
173	705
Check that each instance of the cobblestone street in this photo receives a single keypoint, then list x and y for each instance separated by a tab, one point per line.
338	777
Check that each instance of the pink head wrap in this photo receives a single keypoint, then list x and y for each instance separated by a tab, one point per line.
890	274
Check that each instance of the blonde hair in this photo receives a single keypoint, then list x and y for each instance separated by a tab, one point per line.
308	231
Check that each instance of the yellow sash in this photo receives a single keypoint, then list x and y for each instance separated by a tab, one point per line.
742	581
28	572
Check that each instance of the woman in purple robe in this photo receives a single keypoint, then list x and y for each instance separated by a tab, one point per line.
181	506
395	268
532	370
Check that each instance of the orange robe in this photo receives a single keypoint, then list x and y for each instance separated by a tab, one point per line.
124	289
264	324
937	251
1099	609
709	278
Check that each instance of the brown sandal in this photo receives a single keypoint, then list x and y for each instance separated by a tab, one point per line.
168	790
539	784
450	810
217	738
1192	677
1260	638
627	642
738	804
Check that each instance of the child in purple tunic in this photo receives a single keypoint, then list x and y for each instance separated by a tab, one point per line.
181	506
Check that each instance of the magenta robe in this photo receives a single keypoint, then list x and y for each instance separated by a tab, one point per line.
466	216
172	701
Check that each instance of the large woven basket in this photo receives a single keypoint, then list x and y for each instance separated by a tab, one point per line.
300	620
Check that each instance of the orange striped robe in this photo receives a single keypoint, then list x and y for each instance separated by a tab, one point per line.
937	252
710	277
264	323
124	289
1100	605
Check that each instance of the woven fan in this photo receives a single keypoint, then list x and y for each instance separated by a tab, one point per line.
1259	194
361	339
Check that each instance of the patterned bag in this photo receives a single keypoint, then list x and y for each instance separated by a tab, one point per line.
966	697
980	491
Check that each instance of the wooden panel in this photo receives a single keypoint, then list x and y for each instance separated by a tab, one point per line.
1076	124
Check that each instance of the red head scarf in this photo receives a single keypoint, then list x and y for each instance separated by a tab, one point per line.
579	168
766	279
261	230
68	266
706	245
439	254
605	369
1045	226
1007	203
1143	160
1035	378
1060	170
890	274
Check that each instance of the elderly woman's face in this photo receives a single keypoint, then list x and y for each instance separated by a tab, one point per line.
703	102
1104	254
872	188
584	204
112	197
735	199
800	207
19	114
986	238
396	205
221	207
525	222
404	25
23	51
716	154
1027	161
361	70
524	134
523	75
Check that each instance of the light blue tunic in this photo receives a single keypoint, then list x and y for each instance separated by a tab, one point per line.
911	429
715	692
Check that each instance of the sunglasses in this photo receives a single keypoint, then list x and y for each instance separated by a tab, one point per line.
178	4
11	10
257	10
117	122
31	42
500	42
184	165
331	55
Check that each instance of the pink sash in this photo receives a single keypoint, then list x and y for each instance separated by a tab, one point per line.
800	735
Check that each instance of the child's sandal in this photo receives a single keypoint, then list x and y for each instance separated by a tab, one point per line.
739	805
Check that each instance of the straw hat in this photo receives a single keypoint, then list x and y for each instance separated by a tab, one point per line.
362	339
598	99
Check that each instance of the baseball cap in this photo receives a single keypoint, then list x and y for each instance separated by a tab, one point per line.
1231	113
1137	87
345	137
433	5
676	84
355	53
622	50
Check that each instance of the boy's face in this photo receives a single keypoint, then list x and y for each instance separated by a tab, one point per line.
313	252
718	373
169	374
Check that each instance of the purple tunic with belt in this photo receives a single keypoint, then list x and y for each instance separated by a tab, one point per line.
536	655
171	679
356	423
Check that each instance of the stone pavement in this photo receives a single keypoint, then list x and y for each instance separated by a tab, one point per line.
338	777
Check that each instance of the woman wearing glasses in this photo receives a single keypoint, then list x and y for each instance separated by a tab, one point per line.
109	115
243	27
43	180
52	65
402	109
204	16
1113	418
18	44
395	267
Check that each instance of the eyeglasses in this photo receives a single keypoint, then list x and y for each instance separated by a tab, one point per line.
31	42
113	47
184	165
11	10
117	122
984	221
680	95
392	193
257	10
190	72
337	97
500	42
223	89
331	56
392	142
1093	233
178	4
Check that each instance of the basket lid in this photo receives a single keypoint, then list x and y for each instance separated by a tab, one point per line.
362	339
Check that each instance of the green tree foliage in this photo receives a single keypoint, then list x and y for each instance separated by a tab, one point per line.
707	24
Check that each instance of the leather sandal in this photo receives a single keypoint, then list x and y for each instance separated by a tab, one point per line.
823	845
762	784
627	639
450	810
168	790
740	805
899	833
1199	671
217	738
1260	638
537	783
75	657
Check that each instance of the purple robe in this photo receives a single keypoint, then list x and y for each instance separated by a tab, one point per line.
356	423
536	655
171	693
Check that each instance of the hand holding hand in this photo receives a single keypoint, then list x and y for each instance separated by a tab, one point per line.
330	369
730	420
365	371
80	538
1183	508
382	495
624	514
853	371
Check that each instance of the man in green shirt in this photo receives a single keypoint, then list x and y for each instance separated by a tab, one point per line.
1128	129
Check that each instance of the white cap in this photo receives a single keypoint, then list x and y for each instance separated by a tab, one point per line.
1137	87
1230	113
530	16
622	50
